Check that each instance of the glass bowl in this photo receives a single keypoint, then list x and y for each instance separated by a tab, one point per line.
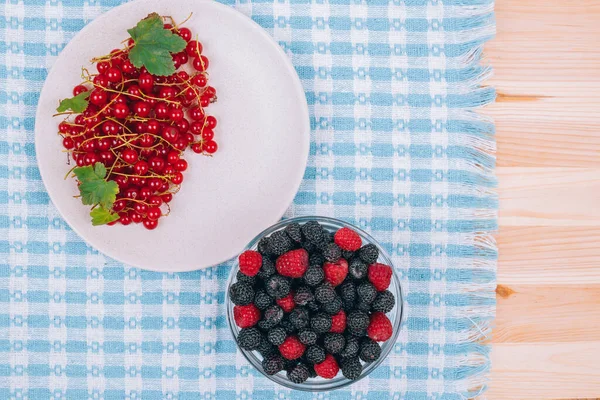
319	384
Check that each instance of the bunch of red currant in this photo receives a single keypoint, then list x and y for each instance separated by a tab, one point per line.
139	125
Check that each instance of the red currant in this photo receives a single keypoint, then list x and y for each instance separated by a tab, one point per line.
169	170
182	76
107	158
196	113
167	197
119	205
103	66
200	63
101	81
193	48
153	213
189	138
98	97
88	145
79	89
173	157
210	147
207	134
199	80
122	181
145	193
157	164
134	91
177	178
146	82
189	94
113	74
168	26
131	193
175	114
170	134
185	34
147	140
140	208
79	160
197	148
196	127
104	144
153	126
121	111
136	218
141	167
68	143
155	183
130	156
204	102
118	98
155	201
90	159
141	109
181	165
210	92
211	122
127	67
167	92
183	125
161	111
124	219
63	127
182	58
110	128
150	223
180	144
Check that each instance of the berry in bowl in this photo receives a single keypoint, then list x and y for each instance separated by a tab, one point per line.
314	303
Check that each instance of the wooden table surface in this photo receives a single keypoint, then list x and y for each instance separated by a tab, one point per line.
546	56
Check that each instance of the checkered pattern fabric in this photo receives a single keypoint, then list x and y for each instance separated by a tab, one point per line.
395	149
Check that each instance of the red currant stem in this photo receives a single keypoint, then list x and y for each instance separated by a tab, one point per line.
151	175
64	113
71	170
168	209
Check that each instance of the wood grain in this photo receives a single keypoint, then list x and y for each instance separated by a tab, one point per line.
546	65
546	344
547	313
545	371
542	255
549	196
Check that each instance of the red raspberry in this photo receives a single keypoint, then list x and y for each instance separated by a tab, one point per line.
335	273
328	369
286	303
347	239
380	327
246	316
250	262
338	322
292	348
380	276
293	263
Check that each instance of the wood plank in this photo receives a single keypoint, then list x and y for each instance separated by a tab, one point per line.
548	255
546	74
545	371
549	196
538	313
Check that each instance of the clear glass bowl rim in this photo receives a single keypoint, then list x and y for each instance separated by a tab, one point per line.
340	381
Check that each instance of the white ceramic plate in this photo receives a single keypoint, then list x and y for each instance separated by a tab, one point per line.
263	135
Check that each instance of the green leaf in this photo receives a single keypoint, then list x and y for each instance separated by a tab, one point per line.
101	216
153	45
94	189
76	104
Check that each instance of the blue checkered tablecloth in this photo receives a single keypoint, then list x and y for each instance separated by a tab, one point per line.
396	148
